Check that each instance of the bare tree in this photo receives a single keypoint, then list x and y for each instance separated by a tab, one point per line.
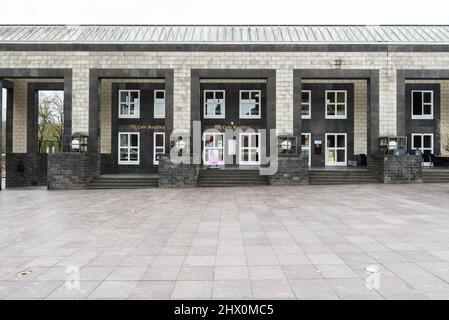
45	115
51	118
58	119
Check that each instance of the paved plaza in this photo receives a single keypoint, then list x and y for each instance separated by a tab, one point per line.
311	242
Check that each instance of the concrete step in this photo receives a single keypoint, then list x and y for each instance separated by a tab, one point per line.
231	178
436	176
208	185
335	177
124	183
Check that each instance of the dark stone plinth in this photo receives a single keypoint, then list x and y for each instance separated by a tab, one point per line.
397	169
292	170
72	170
177	175
26	169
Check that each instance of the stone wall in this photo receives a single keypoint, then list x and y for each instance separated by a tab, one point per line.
397	169
26	169
72	170
177	175
182	63
291	171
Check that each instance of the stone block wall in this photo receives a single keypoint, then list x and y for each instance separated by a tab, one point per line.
26	169
177	175
292	170
397	169
72	170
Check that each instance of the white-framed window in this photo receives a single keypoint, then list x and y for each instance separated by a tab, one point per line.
128	148
422	104
159	104
336	151
423	142
250	104
129	104
249	148
158	146
306	104
306	145
214	104
336	104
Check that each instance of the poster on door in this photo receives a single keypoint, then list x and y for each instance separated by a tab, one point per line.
213	157
331	156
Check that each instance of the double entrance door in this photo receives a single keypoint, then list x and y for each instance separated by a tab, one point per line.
335	148
246	148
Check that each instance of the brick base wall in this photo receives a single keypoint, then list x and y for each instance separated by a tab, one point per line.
177	175
397	169
26	169
291	171
72	170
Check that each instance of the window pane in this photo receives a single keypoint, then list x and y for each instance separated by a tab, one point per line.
219	140
341	110
305	109
134	96
427	141
159	140
209	95
255	96
245	155
255	110
417	141
160	94
219	95
245	95
245	109
428	97
254	141
245	141
133	154
331	110
341	97
331	141
417	103
209	140
305	97
305	140
330	97
124	96
159	110
340	155
427	109
254	154
123	140
132	110
124	110
218	109
134	140
340	141
123	154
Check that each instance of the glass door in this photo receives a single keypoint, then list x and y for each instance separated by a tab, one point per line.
305	145
249	149
213	148
336	149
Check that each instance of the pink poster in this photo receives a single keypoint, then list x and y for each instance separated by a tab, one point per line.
213	157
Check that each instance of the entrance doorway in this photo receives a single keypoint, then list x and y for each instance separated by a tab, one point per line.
305	145
213	148
336	149
249	149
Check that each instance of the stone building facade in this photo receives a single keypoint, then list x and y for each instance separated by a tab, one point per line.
21	61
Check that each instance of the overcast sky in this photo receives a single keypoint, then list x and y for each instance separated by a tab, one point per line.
224	12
